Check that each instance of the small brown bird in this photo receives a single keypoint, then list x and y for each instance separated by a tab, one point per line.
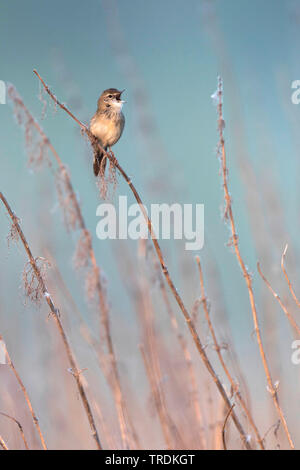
107	124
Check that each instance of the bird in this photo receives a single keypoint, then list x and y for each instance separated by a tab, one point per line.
107	124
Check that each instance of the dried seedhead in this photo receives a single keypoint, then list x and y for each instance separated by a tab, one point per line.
32	284
107	184
42	100
91	281
82	255
112	176
66	200
35	142
102	185
13	235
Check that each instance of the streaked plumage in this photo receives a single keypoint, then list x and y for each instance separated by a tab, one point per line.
108	123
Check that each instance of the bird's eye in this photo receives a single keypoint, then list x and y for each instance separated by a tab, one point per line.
110	96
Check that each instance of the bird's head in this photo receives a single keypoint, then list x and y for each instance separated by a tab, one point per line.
111	98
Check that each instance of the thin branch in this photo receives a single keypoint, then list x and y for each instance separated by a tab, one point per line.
286	276
224	427
62	106
165	271
234	239
274	426
25	393
55	314
217	429
285	310
190	368
218	349
186	355
3	444
19	426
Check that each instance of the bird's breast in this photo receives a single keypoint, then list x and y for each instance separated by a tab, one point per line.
108	130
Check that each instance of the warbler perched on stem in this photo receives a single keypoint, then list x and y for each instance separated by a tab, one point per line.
107	124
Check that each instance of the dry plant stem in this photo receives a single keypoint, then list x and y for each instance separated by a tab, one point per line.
26	396
233	384
234	359
274	426
247	277
19	426
91	340
224	427
3	444
137	286
285	310
151	337
103	305
55	314
165	271
157	399
287	278
190	366
221	413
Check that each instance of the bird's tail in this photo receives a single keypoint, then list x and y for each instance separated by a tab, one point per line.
99	164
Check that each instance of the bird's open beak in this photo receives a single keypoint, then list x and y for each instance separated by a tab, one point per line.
119	96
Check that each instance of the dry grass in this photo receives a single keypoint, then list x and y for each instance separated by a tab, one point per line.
205	402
